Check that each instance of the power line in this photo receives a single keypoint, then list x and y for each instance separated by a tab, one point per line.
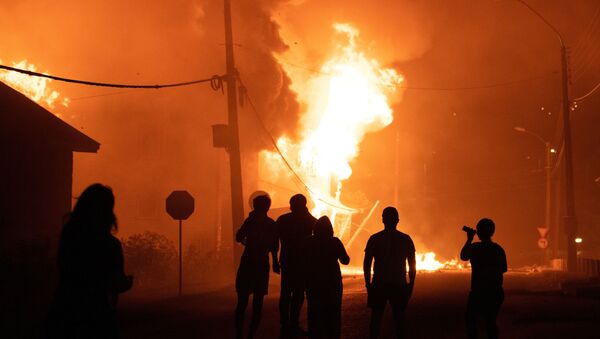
283	158
216	81
581	98
101	95
585	50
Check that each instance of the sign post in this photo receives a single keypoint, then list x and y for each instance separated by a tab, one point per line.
543	243
180	205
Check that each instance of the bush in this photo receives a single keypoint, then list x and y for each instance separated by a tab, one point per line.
151	258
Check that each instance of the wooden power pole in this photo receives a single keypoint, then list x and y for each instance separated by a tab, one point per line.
235	163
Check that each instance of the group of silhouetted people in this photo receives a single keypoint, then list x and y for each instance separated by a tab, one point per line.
302	248
309	265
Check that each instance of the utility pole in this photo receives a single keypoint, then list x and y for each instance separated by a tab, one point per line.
235	163
548	212
570	220
396	168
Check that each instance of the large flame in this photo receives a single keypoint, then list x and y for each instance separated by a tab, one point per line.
345	100
348	97
35	88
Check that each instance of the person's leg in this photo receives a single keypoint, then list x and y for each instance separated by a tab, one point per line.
491	314
284	299
316	314
311	315
336	314
398	313
240	309
257	304
376	300
375	325
399	301
471	316
296	305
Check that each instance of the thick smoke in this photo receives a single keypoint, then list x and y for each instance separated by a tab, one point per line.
457	158
156	141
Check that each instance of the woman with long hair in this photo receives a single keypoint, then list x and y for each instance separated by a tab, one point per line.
91	272
324	253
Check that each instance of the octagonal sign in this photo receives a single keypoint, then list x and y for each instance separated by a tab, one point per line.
180	205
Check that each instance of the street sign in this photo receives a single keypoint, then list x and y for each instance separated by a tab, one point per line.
542	231
180	205
542	243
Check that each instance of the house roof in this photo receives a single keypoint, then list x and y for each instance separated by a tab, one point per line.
23	120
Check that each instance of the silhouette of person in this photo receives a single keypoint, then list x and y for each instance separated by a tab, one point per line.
324	281
91	274
488	264
391	250
258	234
294	228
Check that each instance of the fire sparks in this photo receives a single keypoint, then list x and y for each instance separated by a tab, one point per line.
348	98
35	88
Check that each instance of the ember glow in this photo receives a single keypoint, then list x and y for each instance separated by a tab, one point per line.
35	88
426	262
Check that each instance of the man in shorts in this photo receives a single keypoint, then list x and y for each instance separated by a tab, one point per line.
391	249
258	234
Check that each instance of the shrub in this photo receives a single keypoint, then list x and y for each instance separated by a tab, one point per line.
151	258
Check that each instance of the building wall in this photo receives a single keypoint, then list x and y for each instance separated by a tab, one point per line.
35	195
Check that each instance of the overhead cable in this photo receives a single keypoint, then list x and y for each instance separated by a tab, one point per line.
588	93
215	81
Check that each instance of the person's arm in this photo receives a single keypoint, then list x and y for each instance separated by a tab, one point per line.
240	235
465	253
121	282
504	267
412	269
367	269
412	266
279	227
342	254
275	249
276	267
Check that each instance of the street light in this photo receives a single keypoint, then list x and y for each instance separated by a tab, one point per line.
570	220
548	174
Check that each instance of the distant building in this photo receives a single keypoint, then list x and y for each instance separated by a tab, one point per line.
36	168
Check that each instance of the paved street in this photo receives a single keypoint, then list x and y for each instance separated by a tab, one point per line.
533	308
